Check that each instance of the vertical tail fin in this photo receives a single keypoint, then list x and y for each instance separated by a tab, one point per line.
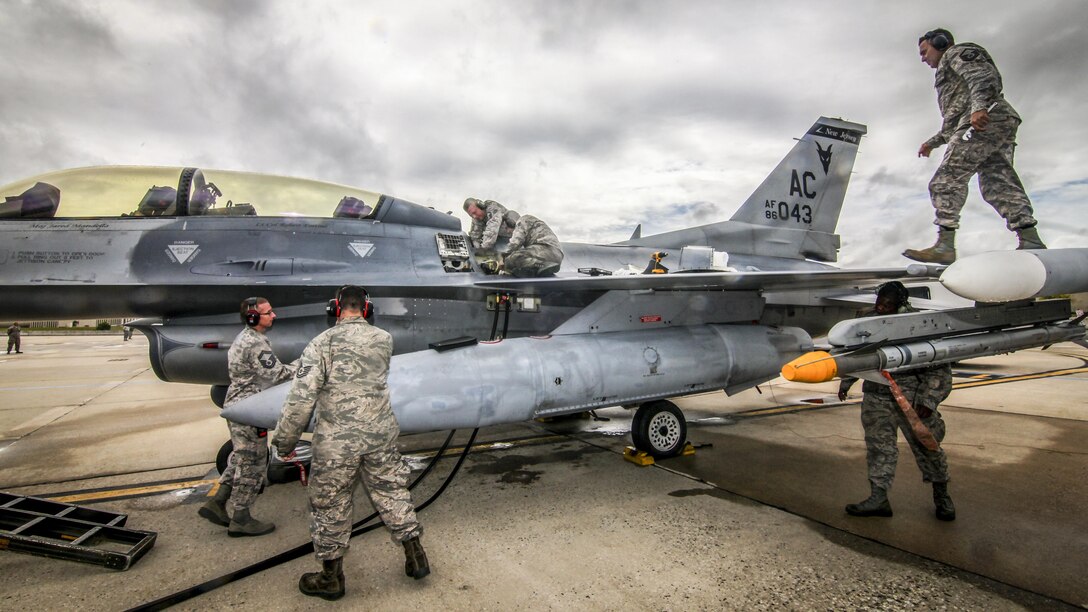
807	188
794	211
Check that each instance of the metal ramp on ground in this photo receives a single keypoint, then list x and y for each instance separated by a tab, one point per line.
42	527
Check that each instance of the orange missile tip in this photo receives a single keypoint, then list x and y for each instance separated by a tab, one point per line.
814	367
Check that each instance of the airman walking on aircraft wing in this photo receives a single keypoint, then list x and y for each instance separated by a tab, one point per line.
534	249
253	367
342	375
488	222
979	126
881	417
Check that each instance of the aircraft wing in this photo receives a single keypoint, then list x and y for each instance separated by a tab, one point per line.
739	281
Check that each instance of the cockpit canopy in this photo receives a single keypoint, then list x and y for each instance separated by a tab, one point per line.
137	191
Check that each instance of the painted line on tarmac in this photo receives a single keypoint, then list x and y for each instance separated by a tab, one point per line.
168	486
128	491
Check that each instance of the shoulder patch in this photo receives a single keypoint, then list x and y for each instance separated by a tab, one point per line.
303	371
970	55
267	359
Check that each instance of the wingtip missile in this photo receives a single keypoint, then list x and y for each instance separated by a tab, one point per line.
1005	276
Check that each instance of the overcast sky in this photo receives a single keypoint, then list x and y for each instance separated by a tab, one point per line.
593	115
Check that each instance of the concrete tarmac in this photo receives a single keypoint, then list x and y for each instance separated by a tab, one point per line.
551	517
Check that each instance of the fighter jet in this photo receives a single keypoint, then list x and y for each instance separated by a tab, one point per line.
720	306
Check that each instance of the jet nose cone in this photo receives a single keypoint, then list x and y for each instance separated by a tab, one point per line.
998	276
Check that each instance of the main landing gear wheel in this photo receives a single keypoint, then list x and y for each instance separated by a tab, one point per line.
223	456
659	429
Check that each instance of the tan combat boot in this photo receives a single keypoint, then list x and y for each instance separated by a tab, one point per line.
1029	239
242	524
942	252
215	510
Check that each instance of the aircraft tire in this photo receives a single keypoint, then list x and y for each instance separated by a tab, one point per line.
223	456
659	429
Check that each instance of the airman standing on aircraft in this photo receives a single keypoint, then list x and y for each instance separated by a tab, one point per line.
534	249
881	417
342	375
253	367
15	337
488	222
979	126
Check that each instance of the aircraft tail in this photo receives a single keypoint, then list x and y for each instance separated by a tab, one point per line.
794	212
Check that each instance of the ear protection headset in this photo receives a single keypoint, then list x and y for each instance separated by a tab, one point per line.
251	316
898	290
333	308
938	38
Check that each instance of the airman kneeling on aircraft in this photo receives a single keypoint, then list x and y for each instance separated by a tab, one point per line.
881	417
533	250
342	376
253	367
979	126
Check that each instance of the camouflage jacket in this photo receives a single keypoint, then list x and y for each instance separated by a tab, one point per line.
529	231
14	331
253	367
485	233
341	380
967	81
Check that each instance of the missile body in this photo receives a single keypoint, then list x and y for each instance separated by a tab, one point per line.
524	378
1003	276
819	366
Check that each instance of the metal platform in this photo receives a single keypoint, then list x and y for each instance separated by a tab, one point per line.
65	531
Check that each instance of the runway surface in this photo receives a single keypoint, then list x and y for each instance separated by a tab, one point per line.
548	515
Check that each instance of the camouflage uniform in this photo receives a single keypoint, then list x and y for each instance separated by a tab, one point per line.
343	373
534	249
484	234
881	416
15	338
253	368
968	81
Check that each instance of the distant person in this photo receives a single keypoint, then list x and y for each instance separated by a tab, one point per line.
534	249
126	332
342	377
881	417
488	222
979	127
253	367
15	338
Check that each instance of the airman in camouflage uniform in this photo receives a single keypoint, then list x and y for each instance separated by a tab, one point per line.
881	417
253	367
534	249
979	126
488	222
342	376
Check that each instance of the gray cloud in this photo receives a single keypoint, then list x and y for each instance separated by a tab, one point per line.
595	116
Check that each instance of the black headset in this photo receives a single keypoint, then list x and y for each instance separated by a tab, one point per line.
333	307
940	39
251	317
898	291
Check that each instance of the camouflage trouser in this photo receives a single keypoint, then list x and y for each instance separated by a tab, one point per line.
881	418
532	260
246	467
988	153
385	477
14	341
